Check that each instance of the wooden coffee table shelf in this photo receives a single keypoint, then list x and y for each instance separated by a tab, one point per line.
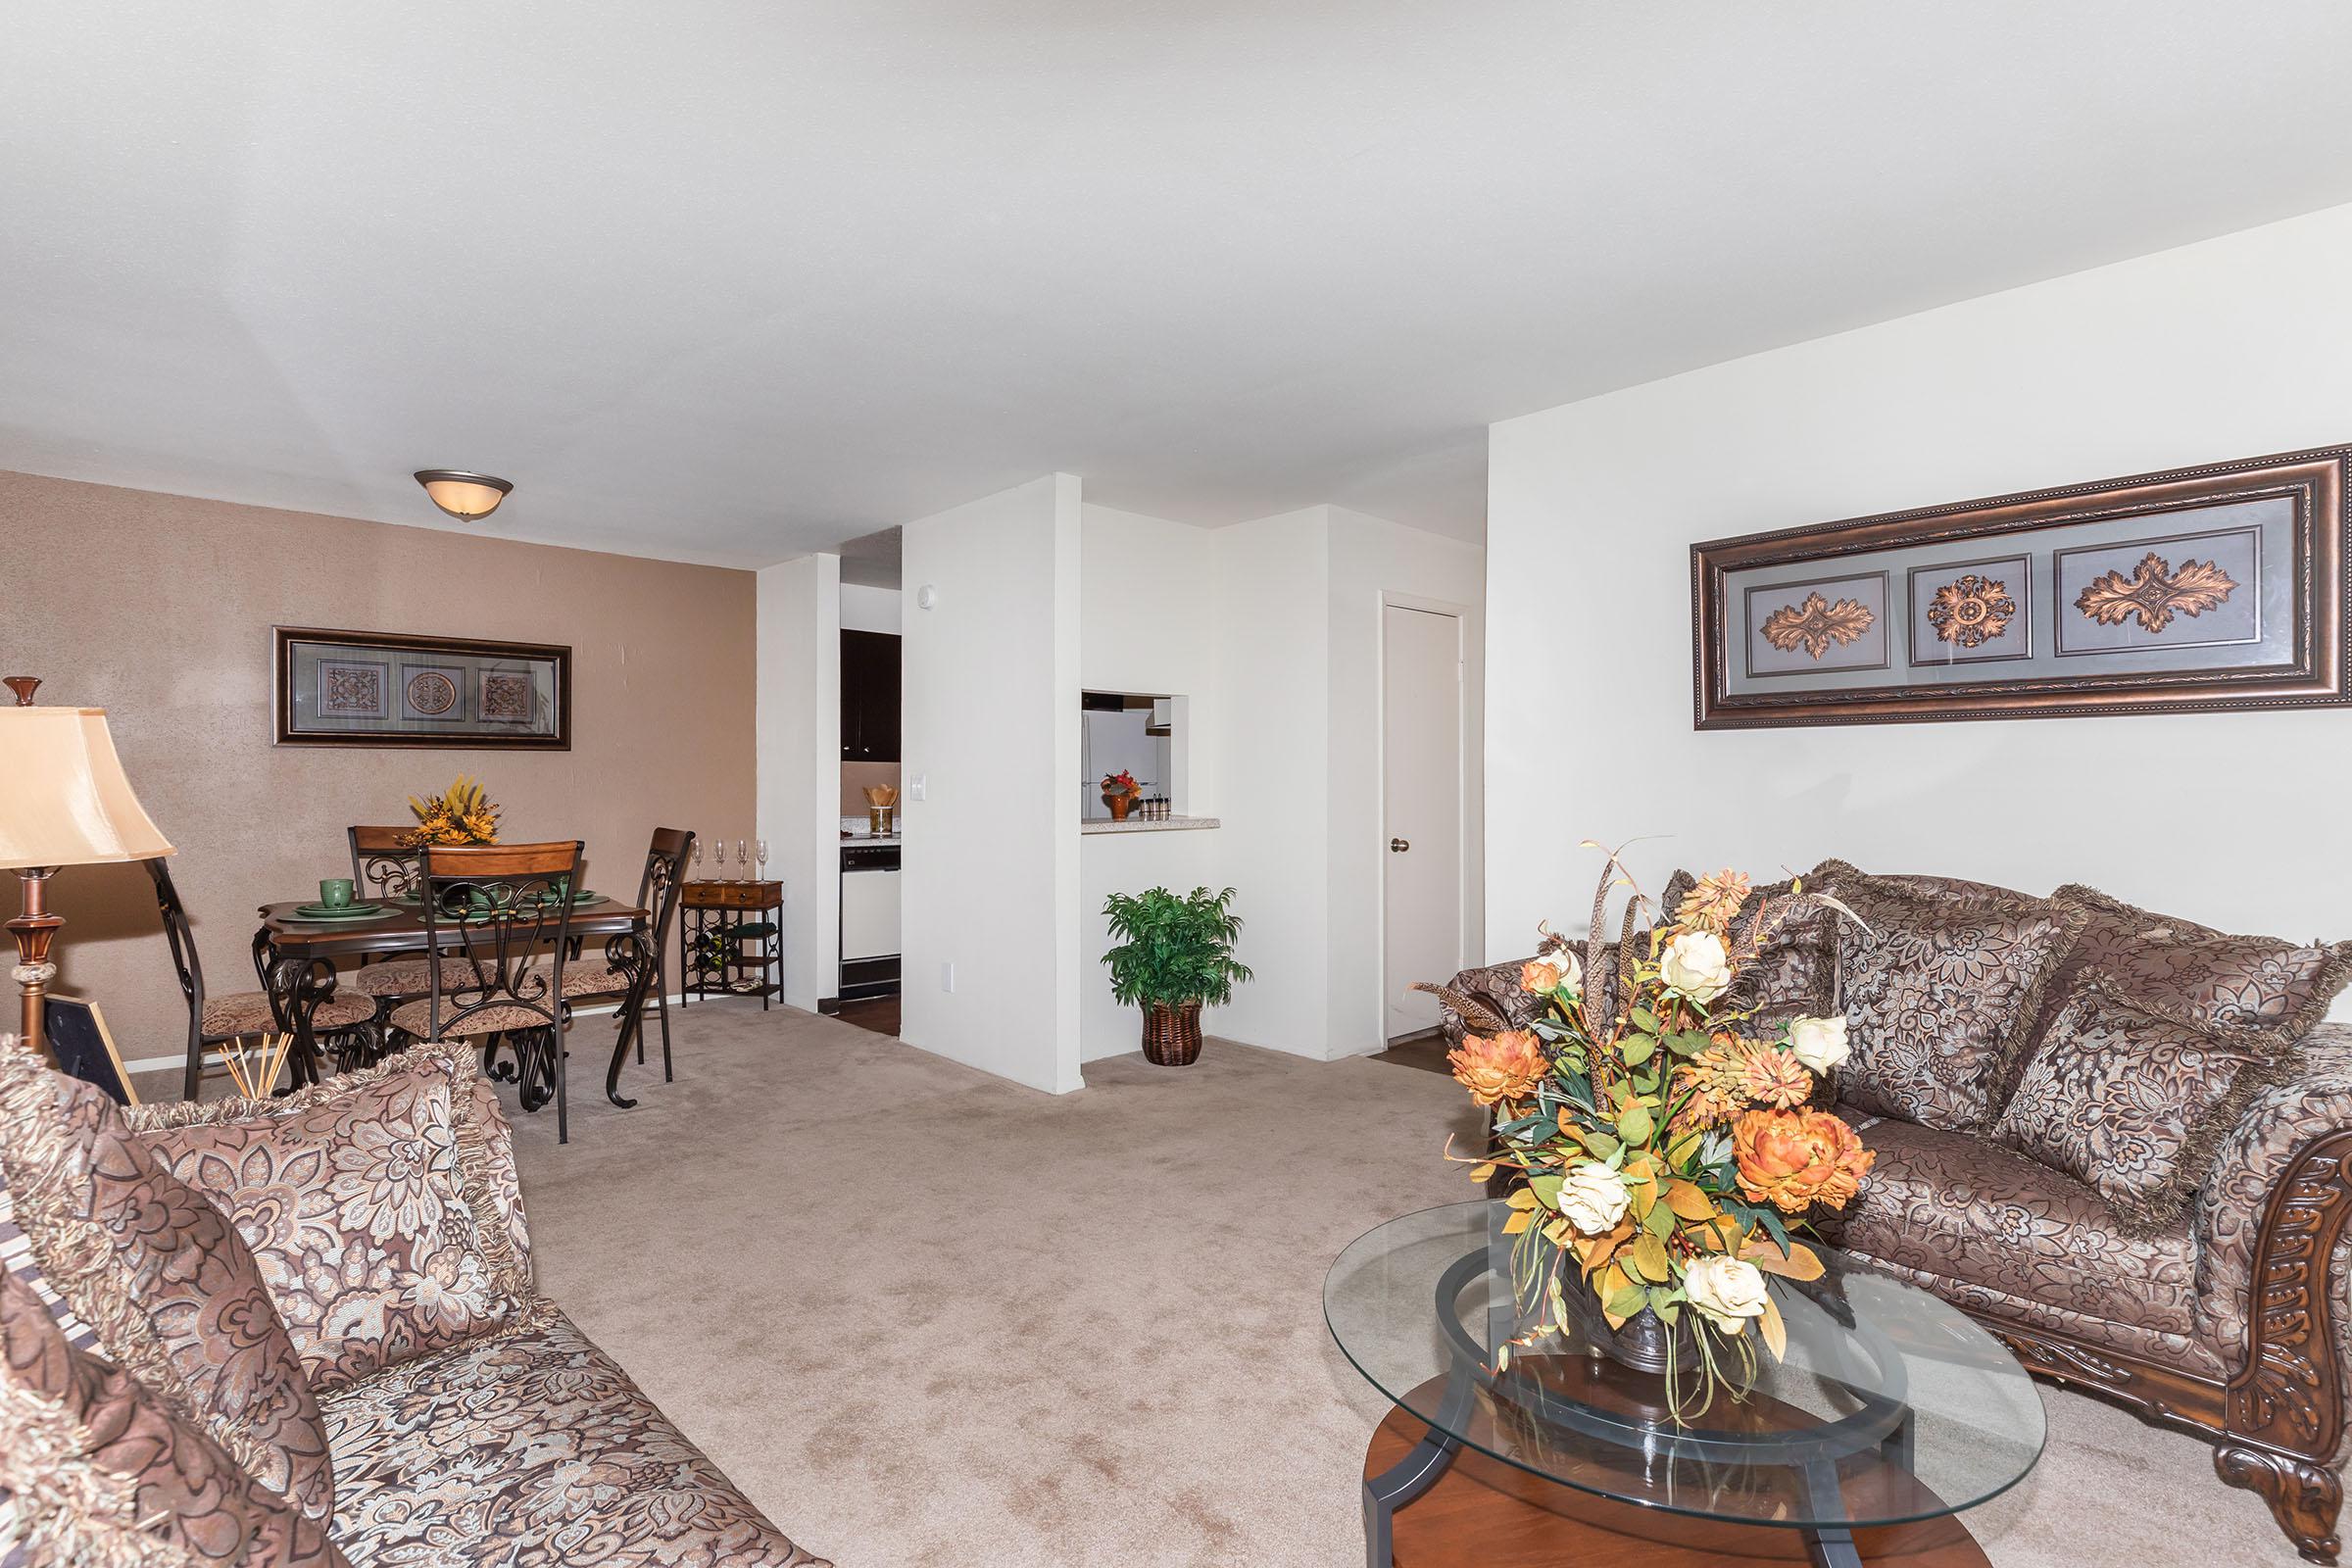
1483	1513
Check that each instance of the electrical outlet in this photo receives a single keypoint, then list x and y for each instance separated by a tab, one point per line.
918	788
947	977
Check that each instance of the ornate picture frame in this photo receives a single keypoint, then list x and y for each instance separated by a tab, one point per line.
370	688
2218	588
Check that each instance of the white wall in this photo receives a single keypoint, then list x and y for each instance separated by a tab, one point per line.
2228	349
799	750
989	727
1148	622
868	608
1375	562
1272	692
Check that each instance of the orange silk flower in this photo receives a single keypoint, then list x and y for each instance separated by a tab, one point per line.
1796	1158
1499	1068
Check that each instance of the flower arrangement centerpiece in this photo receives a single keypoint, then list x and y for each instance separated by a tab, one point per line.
1659	1143
1119	793
464	814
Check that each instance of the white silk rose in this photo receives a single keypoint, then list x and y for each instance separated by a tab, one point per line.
1819	1042
1593	1199
1697	965
1725	1290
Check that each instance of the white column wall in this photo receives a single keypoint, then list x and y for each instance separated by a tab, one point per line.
990	733
799	750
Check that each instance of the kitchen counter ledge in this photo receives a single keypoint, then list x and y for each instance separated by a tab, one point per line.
1137	824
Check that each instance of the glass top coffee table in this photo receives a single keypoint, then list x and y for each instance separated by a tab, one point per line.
1891	1412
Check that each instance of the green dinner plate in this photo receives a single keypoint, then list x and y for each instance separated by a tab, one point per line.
348	911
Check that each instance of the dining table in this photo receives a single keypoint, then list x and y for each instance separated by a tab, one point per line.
296	956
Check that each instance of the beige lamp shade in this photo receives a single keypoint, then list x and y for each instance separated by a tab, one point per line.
63	798
469	496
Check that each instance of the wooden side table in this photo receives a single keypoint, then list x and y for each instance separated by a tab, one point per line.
731	930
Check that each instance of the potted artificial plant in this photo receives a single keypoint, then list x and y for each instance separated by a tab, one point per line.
1174	955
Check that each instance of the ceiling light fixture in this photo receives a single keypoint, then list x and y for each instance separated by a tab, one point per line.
466	497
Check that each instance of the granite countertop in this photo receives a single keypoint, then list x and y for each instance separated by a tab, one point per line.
1137	824
854	840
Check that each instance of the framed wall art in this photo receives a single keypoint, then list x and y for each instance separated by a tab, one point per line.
2220	587
368	688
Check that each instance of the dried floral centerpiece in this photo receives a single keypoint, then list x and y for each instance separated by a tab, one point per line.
1120	792
1659	1146
462	816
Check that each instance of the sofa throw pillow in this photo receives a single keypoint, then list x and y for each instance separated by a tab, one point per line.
2131	1103
1795	971
1942	993
166	1287
366	1200
97	1471
2186	970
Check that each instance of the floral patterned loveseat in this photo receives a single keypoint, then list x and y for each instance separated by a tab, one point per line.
305	1332
2121	1140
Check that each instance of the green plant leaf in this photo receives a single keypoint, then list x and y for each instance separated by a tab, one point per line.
1634	1124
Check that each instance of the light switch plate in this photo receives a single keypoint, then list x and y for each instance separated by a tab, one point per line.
918	788
947	977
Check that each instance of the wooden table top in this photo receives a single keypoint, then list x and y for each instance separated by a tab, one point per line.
402	928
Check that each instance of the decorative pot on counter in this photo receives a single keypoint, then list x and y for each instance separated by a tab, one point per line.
1119	804
1172	1034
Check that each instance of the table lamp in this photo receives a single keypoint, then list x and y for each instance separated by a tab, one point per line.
63	802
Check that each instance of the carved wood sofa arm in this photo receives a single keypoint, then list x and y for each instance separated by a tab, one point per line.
2277	1176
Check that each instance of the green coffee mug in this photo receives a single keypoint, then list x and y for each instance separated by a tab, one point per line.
335	892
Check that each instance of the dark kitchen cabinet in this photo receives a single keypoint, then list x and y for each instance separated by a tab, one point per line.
869	696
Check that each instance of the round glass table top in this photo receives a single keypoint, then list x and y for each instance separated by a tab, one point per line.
1889	1405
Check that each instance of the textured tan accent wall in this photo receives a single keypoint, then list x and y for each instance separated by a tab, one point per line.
158	608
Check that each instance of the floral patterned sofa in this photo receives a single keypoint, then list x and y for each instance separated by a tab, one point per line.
305	1332
2118	1138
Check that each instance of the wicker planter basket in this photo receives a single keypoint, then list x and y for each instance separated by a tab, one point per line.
1172	1035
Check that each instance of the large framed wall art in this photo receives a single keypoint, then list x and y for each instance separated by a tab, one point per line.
2214	588
375	688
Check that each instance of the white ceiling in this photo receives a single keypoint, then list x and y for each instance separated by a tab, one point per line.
727	281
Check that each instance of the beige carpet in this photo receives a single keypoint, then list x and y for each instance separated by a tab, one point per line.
927	1319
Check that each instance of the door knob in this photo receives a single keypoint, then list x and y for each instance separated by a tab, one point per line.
1398	845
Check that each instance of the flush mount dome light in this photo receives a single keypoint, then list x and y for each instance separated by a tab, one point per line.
467	497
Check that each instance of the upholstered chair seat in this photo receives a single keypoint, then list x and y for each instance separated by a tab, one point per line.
400	977
417	1018
594	980
247	1013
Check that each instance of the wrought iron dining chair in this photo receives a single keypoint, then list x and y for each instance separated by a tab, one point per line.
345	1024
627	956
497	931
385	868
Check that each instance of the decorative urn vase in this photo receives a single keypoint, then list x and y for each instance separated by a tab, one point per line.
1120	806
1172	1034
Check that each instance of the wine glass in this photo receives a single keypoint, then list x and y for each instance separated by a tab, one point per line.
698	857
760	848
743	859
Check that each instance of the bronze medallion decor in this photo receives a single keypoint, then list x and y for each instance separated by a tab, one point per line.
2132	1164
1815	625
376	688
2220	587
1971	610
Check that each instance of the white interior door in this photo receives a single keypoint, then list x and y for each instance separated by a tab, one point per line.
1421	789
